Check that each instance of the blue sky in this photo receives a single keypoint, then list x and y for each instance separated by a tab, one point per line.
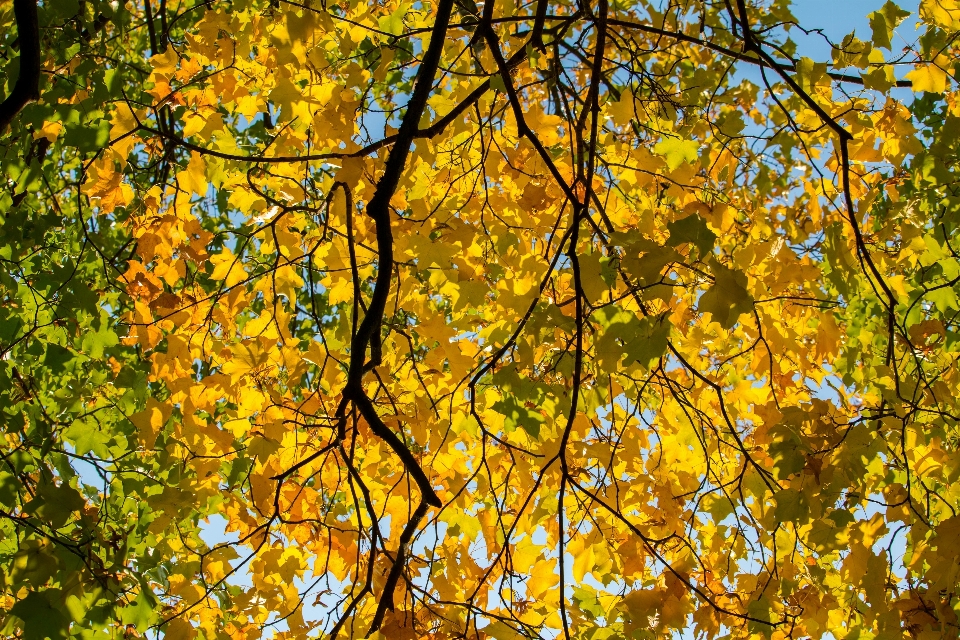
837	18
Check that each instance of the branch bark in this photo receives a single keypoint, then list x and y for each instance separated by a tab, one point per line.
27	87
368	334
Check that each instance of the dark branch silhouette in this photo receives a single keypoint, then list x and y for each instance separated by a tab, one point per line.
27	87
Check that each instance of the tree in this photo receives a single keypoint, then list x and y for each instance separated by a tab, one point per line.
457	320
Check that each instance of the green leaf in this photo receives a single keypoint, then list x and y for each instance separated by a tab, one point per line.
60	10
41	619
517	415
143	612
809	73
95	342
884	21
34	563
8	490
731	123
56	503
649	342
718	506
393	24
88	136
786	451
791	506
728	298
647	268
677	151
642	340
759	611
87	435
692	229
57	357
587	602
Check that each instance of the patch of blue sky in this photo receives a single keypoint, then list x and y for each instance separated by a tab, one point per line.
827	22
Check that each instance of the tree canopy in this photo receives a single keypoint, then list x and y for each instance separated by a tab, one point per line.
404	319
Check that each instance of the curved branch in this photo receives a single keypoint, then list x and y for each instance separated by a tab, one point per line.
368	335
27	87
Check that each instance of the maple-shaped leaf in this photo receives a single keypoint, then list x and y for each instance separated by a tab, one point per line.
517	414
787	451
142	612
677	151
928	77
727	299
884	21
692	229
42	618
791	506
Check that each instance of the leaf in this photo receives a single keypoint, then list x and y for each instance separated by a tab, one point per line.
87	137
179	629
95	342
59	10
692	229
728	298
583	561
648	267
649	343
928	77
143	612
57	358
227	267
759	610
41	619
87	436
884	21
809	73
786	451
543	577
194	179
35	563
791	506
150	421
677	151
516	414
393	24
57	503
595	275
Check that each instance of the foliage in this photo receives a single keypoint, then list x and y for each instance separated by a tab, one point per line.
456	320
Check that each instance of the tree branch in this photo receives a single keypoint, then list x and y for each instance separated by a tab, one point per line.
27	87
378	208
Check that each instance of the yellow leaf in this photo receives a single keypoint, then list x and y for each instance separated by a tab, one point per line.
943	13
165	63
179	629
928	77
543	578
108	189
194	179
583	558
49	130
246	357
150	421
227	267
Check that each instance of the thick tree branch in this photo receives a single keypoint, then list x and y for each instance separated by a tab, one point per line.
378	208
27	87
386	600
